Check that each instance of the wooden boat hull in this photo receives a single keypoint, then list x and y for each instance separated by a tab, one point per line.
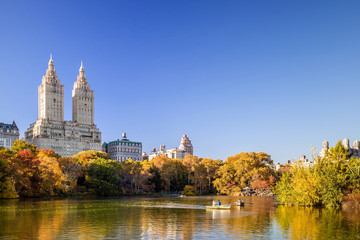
226	206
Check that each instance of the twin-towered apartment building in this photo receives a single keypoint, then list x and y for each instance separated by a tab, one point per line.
68	138
50	131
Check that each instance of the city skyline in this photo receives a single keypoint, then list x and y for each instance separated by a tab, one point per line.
243	77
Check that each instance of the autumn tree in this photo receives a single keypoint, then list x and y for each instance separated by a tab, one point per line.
333	178
83	158
71	171
19	145
191	162
240	169
7	183
211	166
51	174
137	174
28	179
173	173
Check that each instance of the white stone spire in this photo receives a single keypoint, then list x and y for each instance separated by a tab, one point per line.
81	79
51	64
81	67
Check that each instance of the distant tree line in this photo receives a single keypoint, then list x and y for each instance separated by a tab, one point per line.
26	171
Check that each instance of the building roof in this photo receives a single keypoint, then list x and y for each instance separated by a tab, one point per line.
122	141
9	126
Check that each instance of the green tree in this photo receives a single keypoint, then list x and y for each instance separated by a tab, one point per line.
104	177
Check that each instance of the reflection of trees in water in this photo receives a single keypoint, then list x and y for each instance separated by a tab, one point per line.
252	220
98	219
317	223
88	219
31	220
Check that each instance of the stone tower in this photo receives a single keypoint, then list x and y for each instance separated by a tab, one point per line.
356	145
185	145
82	100
51	95
346	143
325	148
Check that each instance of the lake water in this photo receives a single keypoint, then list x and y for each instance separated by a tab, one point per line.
171	218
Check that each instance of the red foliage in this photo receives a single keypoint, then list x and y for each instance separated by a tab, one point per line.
272	180
28	158
48	153
259	184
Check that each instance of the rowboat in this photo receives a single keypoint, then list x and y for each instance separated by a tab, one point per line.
225	206
239	203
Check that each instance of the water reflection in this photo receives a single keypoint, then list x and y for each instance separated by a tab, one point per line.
155	218
316	223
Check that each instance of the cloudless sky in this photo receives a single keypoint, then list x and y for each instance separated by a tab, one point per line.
235	76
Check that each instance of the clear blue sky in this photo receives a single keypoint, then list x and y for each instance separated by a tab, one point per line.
236	76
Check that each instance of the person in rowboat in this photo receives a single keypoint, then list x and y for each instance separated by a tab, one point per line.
214	203
219	203
240	202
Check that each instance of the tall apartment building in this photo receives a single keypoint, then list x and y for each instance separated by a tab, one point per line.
50	131
9	133
122	150
186	145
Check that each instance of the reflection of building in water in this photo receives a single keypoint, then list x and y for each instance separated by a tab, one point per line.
354	151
